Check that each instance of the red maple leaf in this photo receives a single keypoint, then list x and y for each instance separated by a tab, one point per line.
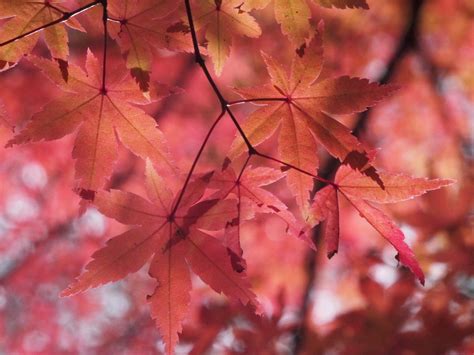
170	236
360	190
100	114
300	104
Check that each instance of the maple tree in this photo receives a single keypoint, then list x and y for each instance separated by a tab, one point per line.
107	128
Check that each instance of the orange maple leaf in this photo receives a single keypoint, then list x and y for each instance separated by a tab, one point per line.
252	198
173	241
99	115
25	16
300	104
358	189
224	19
293	15
141	26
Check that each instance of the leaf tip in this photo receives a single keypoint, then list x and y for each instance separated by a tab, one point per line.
67	292
446	182
142	78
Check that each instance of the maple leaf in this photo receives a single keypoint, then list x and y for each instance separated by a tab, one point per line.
325	207
99	115
25	16
249	5
358	189
170	238
252	199
141	26
224	19
293	15
300	105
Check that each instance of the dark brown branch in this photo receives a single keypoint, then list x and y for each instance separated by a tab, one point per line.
225	105
406	43
200	60
66	16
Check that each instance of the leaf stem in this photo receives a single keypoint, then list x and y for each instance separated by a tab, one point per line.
243	168
193	166
291	166
226	104
66	16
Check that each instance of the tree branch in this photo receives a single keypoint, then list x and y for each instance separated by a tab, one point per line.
406	43
66	16
225	105
200	60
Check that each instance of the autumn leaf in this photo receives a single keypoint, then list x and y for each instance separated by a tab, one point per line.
294	15
249	5
300	105
325	207
222	20
185	227
167	235
139	27
358	189
99	115
25	16
252	198
170	300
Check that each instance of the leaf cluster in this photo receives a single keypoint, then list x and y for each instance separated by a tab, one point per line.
191	221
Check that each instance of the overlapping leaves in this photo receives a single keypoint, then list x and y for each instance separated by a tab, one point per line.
360	191
25	16
293	15
99	114
300	104
143	26
224	19
171	238
198	228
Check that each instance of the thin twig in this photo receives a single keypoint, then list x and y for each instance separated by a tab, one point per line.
226	104
316	177
66	16
243	168
193	165
200	60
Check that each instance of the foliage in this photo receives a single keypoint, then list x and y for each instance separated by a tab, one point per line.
86	144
